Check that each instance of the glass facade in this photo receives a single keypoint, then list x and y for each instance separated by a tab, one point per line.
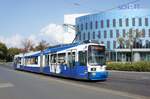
109	26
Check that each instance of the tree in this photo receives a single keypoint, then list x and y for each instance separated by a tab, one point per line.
3	51
12	52
28	45
42	45
121	42
132	36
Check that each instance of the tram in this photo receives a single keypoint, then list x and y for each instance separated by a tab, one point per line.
84	60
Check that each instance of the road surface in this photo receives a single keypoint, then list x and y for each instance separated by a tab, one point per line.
120	85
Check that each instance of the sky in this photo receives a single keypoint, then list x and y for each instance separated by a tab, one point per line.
43	19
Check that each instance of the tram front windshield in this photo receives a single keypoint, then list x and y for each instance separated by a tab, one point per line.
96	55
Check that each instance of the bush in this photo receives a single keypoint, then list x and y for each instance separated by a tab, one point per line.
141	66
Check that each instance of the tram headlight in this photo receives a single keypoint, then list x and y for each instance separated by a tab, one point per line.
93	74
85	72
93	69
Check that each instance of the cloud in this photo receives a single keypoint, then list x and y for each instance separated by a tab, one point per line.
52	33
16	40
13	41
56	34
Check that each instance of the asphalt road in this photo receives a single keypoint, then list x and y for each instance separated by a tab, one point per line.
24	85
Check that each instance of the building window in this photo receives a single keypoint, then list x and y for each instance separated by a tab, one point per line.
108	23
137	34
111	33
78	28
102	42
143	32
147	44
117	33
140	21
84	36
81	26
96	24
114	22
146	21
127	22
124	32
114	44
80	37
99	34
86	26
133	21
120	22
102	24
91	25
88	35
108	44
149	32
105	34
93	35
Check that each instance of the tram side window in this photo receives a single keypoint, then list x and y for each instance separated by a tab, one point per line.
26	61
53	58
61	58
83	58
71	59
32	60
46	60
18	60
15	61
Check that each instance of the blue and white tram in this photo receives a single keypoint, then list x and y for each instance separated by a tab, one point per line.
79	61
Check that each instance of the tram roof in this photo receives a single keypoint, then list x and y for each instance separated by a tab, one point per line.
67	46
59	48
30	54
56	48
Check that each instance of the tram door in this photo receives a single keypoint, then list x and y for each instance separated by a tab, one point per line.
54	66
41	63
71	62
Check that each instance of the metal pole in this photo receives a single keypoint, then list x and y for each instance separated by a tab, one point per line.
116	56
131	54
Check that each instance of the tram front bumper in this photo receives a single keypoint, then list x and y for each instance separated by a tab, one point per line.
98	75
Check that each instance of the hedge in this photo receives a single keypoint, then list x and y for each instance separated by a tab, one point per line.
141	66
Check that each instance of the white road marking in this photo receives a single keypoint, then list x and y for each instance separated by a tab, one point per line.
6	85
